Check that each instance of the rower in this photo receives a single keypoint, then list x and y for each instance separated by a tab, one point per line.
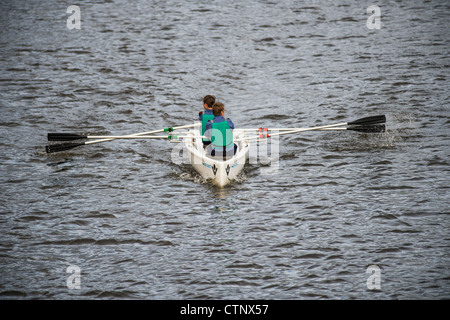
206	115
219	130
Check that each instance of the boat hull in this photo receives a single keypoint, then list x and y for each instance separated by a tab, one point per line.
220	172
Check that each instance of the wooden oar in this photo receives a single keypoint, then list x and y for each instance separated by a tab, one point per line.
71	137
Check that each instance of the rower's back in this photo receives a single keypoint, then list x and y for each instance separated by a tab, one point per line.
220	132
206	115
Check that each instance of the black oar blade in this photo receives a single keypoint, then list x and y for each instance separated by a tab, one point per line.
62	147
374	128
369	120
64	137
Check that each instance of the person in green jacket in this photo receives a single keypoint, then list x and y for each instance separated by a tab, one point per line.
219	130
206	115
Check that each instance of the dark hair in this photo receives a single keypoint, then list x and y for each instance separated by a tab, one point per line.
218	107
209	100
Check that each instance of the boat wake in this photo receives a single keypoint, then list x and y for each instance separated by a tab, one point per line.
186	173
190	175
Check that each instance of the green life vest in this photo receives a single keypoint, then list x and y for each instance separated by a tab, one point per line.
205	119
221	134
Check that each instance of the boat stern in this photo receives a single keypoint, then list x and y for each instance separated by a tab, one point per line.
220	172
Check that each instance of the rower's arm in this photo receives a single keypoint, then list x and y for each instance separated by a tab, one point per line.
231	124
208	130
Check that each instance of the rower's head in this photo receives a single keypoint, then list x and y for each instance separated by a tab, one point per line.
208	101
218	109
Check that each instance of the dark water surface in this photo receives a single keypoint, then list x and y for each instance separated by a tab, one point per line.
140	226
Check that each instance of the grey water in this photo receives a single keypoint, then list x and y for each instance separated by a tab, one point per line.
139	226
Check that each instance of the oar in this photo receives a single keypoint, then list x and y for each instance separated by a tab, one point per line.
69	145
74	136
172	136
360	122
71	137
373	128
367	121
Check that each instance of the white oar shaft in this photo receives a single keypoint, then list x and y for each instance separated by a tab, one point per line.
140	137
309	129
324	129
125	137
256	130
143	133
298	130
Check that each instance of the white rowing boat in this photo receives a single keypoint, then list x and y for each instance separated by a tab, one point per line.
220	171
